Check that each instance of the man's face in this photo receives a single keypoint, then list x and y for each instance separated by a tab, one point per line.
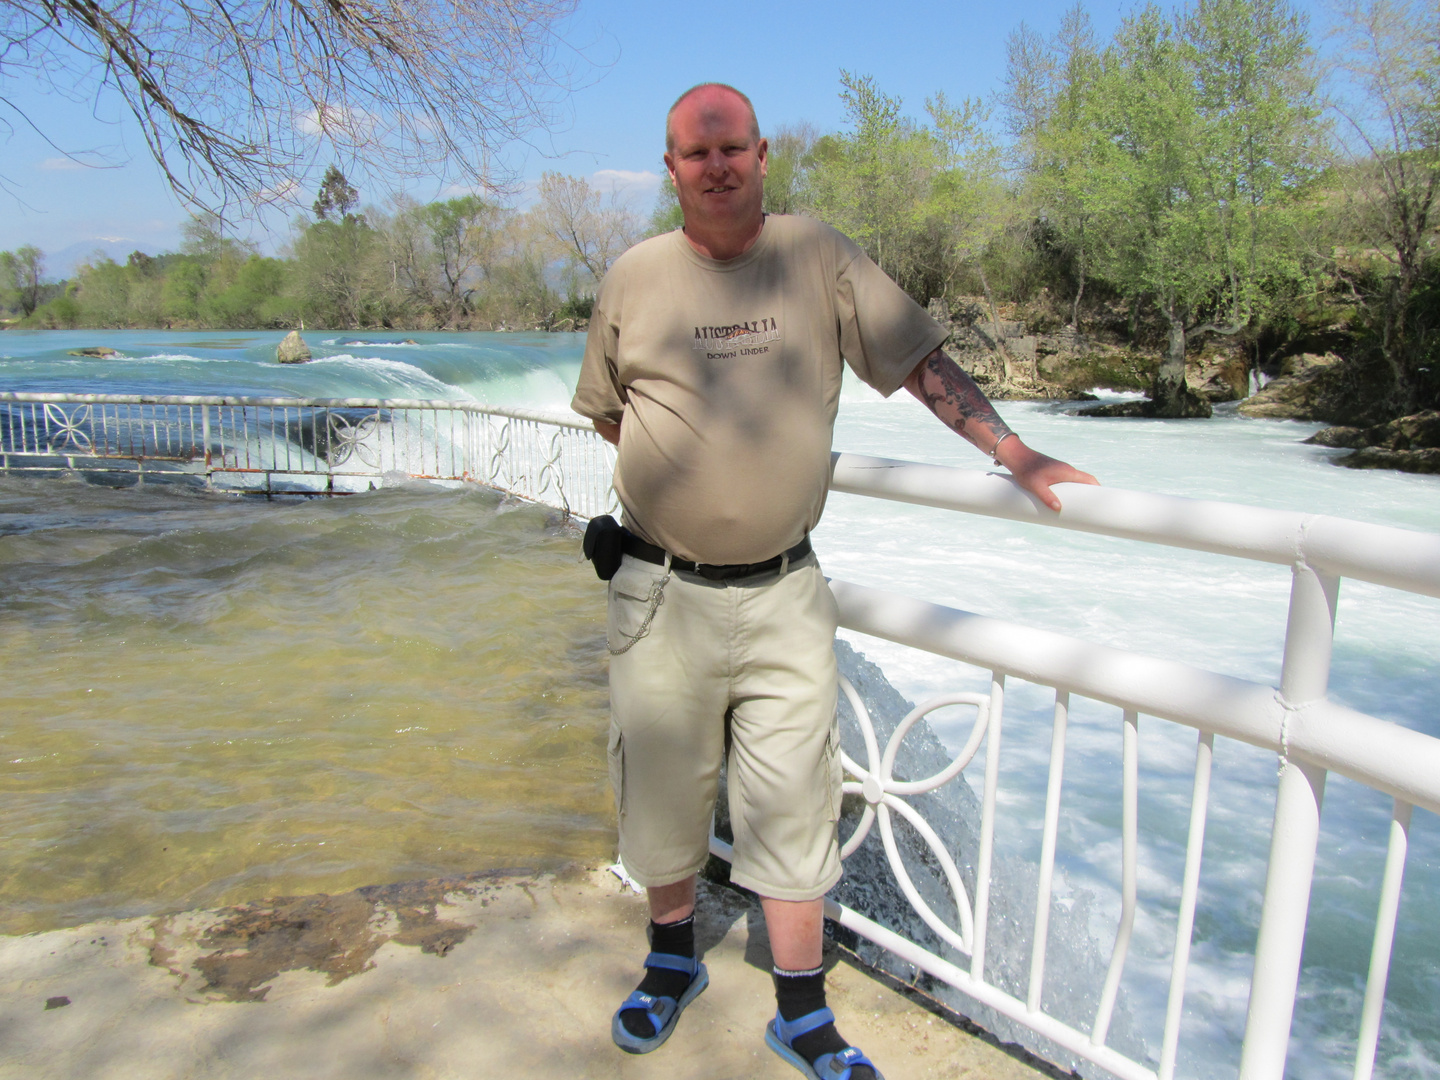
717	165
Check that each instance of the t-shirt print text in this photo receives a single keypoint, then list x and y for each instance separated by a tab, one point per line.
738	339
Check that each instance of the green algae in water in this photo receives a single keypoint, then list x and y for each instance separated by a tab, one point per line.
207	700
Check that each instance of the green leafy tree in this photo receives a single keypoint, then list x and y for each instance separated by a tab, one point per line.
463	234
21	272
255	298
335	273
103	291
968	199
667	215
1047	99
873	182
791	154
1204	144
1390	182
336	198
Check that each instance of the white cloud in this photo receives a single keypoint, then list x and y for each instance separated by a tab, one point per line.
285	191
337	119
61	164
626	182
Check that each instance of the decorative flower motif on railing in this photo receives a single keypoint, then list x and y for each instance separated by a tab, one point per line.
68	430
882	799
499	458
552	473
347	440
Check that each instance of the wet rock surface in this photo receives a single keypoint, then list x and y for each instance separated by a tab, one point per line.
292	349
1408	444
1310	387
337	936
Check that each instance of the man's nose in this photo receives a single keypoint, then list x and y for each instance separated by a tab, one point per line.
716	162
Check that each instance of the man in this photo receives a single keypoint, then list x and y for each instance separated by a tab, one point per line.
714	363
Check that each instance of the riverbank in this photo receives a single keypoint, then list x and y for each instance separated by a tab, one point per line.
509	974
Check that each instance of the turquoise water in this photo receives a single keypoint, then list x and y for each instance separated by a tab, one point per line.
301	588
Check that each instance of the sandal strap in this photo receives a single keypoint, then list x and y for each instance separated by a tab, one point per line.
790	1030
838	1066
658	1009
669	961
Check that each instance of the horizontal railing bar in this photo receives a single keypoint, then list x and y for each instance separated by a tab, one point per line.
290	402
1382	554
1394	759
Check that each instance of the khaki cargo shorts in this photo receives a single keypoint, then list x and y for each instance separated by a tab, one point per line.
758	651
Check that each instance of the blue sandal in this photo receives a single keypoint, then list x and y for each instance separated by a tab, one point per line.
662	1011
780	1033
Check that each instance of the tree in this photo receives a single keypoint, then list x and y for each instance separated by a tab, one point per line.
968	198
463	235
1047	98
336	196
872	183
20	274
1392	178
235	97
1204	141
667	215
589	230
335	273
787	175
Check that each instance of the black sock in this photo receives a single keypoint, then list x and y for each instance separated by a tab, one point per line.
800	993
677	939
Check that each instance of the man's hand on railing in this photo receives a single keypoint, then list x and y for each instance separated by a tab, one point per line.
1035	472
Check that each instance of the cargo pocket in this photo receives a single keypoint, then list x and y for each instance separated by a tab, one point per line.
629	606
615	753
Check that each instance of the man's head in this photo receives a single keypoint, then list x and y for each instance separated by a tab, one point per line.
717	161
707	88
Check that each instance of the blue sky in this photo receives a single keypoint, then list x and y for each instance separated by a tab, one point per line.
635	57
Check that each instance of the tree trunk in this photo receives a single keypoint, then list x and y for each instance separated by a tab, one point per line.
1005	362
1170	397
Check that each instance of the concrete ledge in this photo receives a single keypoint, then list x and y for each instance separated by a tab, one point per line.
497	975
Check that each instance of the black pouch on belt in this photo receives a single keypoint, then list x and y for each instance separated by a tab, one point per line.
604	545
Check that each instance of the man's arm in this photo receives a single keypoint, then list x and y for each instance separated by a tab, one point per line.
963	407
609	432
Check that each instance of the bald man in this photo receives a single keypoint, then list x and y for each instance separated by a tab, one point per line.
714	362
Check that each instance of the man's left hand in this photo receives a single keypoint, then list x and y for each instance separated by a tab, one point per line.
1035	472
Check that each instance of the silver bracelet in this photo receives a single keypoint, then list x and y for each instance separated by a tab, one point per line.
996	448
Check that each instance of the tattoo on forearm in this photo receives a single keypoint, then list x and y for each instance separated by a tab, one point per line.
962	406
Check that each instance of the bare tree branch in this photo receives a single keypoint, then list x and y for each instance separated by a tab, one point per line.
235	97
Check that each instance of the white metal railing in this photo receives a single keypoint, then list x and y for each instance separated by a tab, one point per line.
1311	735
564	463
273	445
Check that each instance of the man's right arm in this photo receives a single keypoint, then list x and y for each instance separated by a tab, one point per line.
609	432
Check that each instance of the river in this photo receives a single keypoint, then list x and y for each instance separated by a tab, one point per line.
208	700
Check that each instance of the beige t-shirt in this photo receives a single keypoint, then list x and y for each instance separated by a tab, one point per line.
727	378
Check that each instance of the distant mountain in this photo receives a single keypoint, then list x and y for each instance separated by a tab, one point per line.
62	263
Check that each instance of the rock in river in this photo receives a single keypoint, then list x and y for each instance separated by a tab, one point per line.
293	349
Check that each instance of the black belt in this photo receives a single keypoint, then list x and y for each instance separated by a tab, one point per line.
640	549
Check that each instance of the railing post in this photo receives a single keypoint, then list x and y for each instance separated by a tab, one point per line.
205	438
1309	634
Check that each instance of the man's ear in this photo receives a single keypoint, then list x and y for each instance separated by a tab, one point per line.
669	166
763	149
